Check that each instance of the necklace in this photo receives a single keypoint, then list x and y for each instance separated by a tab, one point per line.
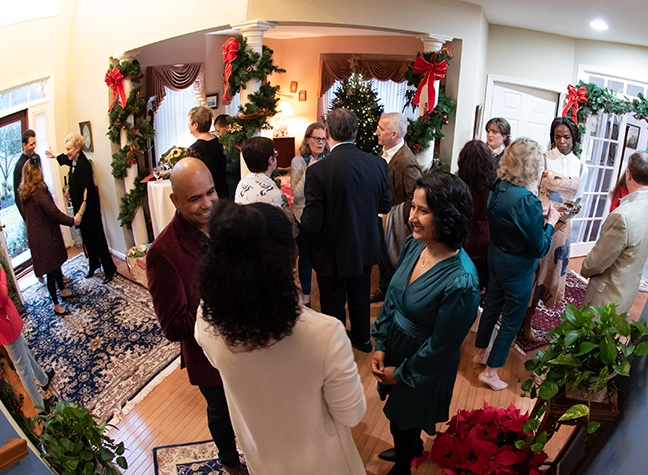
423	261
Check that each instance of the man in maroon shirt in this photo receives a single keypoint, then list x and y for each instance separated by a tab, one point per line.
172	271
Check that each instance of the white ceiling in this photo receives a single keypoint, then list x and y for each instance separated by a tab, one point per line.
626	20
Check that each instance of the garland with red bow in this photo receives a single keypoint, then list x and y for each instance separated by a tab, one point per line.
574	97
431	71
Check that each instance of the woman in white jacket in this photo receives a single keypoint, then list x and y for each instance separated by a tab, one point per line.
289	375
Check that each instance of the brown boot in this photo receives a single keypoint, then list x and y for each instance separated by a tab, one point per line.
527	331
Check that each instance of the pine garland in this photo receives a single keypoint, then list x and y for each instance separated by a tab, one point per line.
428	127
131	201
136	134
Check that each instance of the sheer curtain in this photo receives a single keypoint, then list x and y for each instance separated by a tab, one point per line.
390	93
171	120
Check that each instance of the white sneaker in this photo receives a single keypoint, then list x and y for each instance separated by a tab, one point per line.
494	382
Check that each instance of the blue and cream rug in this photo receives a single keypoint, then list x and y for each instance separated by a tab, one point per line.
193	458
110	346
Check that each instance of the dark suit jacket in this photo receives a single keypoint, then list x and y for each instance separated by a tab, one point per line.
172	272
403	172
17	178
80	179
344	195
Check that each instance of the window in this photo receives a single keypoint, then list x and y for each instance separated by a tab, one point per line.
22	95
171	120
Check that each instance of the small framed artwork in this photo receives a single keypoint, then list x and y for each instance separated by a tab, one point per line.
302	95
293	86
86	132
212	101
632	136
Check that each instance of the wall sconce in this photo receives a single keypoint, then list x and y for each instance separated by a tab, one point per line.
284	111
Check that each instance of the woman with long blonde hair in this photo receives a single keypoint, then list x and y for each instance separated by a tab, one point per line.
43	220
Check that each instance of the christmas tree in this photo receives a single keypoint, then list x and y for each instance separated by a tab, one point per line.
359	96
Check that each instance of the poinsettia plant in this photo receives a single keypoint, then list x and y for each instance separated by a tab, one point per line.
489	441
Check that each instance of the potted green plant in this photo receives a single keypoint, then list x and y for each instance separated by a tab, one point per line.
73	442
589	347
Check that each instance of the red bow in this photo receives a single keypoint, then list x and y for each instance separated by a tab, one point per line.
574	96
432	72
230	48
115	79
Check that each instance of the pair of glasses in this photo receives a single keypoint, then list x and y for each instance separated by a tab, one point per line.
319	139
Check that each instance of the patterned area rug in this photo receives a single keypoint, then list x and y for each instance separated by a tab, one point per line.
546	319
110	346
194	458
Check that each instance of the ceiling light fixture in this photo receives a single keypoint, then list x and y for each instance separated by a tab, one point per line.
599	25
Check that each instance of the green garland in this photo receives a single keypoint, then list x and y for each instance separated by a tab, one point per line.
249	66
428	126
137	134
261	105
131	201
601	99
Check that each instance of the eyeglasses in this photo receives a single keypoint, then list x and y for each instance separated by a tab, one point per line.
318	139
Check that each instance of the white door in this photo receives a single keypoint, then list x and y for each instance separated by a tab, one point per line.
529	110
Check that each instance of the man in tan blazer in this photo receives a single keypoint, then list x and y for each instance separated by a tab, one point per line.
615	263
403	171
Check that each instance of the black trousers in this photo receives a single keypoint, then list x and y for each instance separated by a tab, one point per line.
408	445
96	245
54	278
334	292
220	425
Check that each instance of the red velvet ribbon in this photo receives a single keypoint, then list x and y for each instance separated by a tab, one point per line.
115	80
230	48
432	72
574	96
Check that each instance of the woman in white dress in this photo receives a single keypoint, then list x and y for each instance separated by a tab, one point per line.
291	382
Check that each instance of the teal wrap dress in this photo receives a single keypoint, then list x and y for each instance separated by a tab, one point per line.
421	328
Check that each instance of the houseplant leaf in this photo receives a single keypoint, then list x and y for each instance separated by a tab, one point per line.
622	326
584	348
623	368
566	359
608	349
642	349
548	389
574	412
571	337
592	426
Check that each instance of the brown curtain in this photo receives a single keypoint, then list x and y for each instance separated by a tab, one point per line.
175	77
336	67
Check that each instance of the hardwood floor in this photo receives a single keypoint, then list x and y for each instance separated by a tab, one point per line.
175	412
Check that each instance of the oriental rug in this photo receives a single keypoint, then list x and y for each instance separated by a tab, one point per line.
107	349
546	319
193	458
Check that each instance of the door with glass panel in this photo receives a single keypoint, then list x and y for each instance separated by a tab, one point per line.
13	226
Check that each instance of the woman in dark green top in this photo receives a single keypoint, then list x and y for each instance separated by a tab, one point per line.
518	238
429	308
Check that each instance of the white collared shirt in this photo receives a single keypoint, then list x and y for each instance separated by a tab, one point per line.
389	154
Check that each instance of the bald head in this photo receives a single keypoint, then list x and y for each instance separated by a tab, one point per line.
193	191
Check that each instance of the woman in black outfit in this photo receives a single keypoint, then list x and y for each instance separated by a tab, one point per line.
85	200
208	147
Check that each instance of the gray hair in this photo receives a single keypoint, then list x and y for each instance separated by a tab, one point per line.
397	123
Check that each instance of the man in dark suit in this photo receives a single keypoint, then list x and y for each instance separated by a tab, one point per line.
344	195
172	272
403	171
28	148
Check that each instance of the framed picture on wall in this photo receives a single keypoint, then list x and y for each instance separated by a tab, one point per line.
86	132
293	86
212	101
632	136
302	95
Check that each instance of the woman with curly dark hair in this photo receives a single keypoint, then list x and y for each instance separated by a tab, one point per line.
477	169
288	372
429	308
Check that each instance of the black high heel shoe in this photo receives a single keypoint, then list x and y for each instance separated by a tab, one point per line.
63	313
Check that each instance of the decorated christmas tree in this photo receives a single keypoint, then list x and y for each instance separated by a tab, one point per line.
359	96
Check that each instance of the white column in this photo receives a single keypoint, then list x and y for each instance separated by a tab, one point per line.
252	31
430	43
140	235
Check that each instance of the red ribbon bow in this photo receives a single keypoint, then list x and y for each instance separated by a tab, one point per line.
230	48
115	79
574	96
432	72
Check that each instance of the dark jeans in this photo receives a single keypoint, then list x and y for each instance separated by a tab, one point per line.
305	267
334	292
94	240
220	425
408	445
54	278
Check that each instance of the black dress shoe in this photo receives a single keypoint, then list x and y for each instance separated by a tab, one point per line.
388	455
365	347
108	278
50	375
91	272
377	296
48	404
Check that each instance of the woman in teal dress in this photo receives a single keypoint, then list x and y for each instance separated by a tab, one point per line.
429	308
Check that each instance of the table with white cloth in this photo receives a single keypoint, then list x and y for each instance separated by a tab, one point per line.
160	204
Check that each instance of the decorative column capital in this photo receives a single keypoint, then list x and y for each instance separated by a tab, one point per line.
433	42
251	27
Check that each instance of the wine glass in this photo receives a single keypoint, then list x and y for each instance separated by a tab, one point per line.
156	173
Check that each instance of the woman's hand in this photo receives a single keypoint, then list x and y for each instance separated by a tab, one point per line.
49	154
388	375
553	216
77	219
378	365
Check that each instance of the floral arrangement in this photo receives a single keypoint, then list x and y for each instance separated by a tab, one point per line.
173	155
489	441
